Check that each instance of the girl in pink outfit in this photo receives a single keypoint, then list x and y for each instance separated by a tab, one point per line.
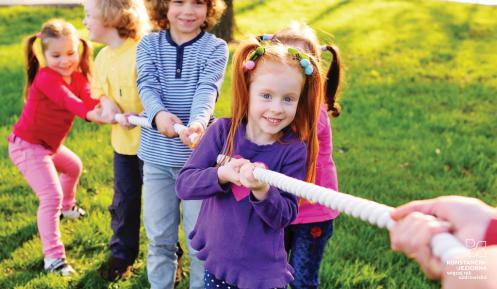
307	236
55	95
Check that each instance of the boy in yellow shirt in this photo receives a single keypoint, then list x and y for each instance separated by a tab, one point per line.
119	24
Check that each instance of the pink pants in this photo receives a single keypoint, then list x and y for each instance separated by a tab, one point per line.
40	168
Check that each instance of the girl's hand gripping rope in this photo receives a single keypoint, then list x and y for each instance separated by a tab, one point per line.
259	189
190	135
229	172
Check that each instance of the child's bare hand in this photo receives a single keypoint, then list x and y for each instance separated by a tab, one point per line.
165	123
247	179
230	171
109	109
124	122
95	115
191	135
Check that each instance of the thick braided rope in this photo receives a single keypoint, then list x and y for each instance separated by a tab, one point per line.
143	122
444	245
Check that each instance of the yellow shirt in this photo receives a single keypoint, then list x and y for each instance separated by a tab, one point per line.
115	76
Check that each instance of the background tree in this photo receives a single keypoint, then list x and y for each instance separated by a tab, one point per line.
226	24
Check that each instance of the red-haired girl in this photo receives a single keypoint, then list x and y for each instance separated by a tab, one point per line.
239	233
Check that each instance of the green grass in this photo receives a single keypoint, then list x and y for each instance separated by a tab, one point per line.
418	121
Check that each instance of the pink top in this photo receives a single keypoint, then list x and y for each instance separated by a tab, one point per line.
326	175
50	108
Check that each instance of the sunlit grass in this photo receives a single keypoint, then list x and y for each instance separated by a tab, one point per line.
418	121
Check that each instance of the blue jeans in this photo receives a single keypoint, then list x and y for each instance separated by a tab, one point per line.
161	216
305	244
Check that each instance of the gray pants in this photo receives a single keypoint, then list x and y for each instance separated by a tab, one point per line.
161	216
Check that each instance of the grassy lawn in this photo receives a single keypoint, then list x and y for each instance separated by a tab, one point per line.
419	115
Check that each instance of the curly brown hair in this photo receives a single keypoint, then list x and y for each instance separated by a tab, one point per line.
157	11
129	17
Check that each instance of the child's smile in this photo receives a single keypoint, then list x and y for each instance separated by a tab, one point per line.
186	18
274	96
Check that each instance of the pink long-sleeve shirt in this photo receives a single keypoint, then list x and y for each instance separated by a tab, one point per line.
50	108
326	175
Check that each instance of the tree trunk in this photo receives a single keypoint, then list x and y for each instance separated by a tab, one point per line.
224	29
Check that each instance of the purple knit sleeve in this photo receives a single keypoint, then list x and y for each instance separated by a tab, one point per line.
198	179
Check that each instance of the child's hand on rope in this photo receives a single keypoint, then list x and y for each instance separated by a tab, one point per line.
229	172
259	189
109	109
194	128
124	122
165	123
95	115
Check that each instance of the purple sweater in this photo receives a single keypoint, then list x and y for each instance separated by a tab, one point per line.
242	242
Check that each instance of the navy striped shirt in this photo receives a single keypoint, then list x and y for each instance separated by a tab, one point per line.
184	80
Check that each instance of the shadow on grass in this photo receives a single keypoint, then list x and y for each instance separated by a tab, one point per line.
13	241
328	10
17	279
250	6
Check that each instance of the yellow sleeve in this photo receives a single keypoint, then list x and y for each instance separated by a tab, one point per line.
96	80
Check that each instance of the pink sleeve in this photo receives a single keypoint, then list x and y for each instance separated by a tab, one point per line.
53	86
85	92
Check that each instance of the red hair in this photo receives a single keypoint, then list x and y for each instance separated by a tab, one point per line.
311	97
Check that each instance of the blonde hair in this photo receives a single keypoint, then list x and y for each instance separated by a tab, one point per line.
306	117
54	29
129	17
157	11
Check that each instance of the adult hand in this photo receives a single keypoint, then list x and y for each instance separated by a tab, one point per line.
419	221
469	217
412	236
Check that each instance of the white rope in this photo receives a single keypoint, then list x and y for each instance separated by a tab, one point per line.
445	246
143	122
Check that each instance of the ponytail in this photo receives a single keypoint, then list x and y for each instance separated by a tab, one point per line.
332	82
85	61
32	63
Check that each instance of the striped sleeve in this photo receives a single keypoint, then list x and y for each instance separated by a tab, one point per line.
209	84
148	81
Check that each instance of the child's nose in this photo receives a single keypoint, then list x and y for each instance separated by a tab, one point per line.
188	8
277	106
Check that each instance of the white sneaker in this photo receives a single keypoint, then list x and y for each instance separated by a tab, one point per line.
74	213
58	266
